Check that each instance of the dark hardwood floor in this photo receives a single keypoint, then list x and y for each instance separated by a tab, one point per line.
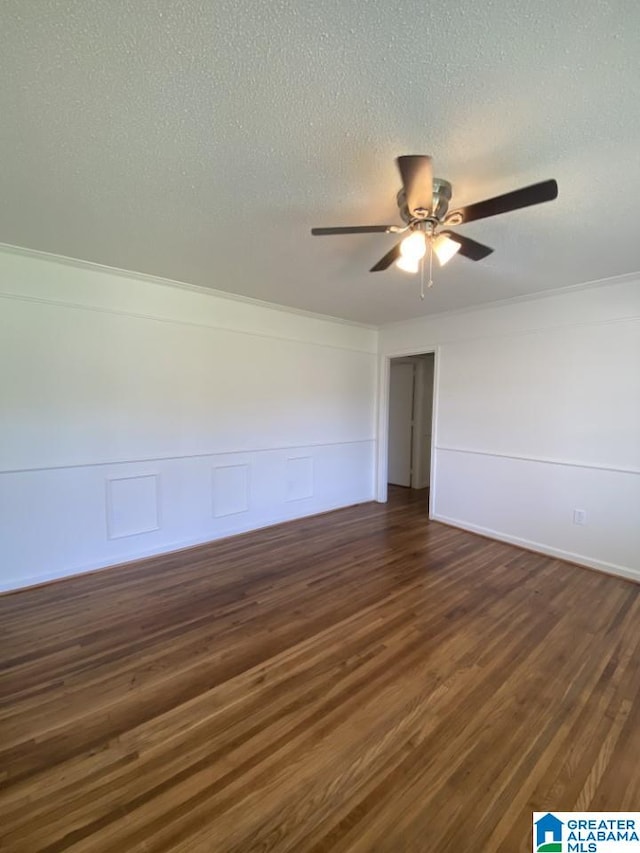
365	680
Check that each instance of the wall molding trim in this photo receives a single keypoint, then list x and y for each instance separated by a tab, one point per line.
624	278
143	460
159	318
519	333
92	266
538	547
570	463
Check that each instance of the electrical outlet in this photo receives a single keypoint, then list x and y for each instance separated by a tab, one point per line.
580	516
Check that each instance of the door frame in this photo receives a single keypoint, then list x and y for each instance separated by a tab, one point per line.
384	373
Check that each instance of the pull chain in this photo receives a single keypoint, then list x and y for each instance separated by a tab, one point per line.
430	282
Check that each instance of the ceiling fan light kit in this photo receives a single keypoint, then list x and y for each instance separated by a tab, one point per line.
414	247
444	247
408	264
423	203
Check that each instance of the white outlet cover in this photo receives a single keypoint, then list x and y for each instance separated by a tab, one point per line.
579	516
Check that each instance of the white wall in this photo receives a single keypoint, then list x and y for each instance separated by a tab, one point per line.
137	416
538	414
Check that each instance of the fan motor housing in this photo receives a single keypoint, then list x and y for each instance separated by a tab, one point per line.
442	191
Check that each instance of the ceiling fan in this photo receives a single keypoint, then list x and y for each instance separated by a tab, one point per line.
423	202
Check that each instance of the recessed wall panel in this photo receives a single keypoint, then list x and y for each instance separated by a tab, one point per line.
132	505
230	490
299	478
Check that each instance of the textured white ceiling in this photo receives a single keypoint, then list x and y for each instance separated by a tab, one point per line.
200	141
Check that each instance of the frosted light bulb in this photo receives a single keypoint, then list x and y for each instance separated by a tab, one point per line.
414	246
407	264
445	248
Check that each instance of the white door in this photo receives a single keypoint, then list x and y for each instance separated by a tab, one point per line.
400	429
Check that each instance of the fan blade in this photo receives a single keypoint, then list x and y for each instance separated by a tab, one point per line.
354	229
469	248
385	262
417	180
525	197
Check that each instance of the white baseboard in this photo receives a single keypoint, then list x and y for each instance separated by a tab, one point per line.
539	547
169	548
547	550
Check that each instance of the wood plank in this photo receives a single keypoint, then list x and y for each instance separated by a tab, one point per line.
361	680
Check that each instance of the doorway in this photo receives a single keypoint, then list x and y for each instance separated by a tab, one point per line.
410	421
